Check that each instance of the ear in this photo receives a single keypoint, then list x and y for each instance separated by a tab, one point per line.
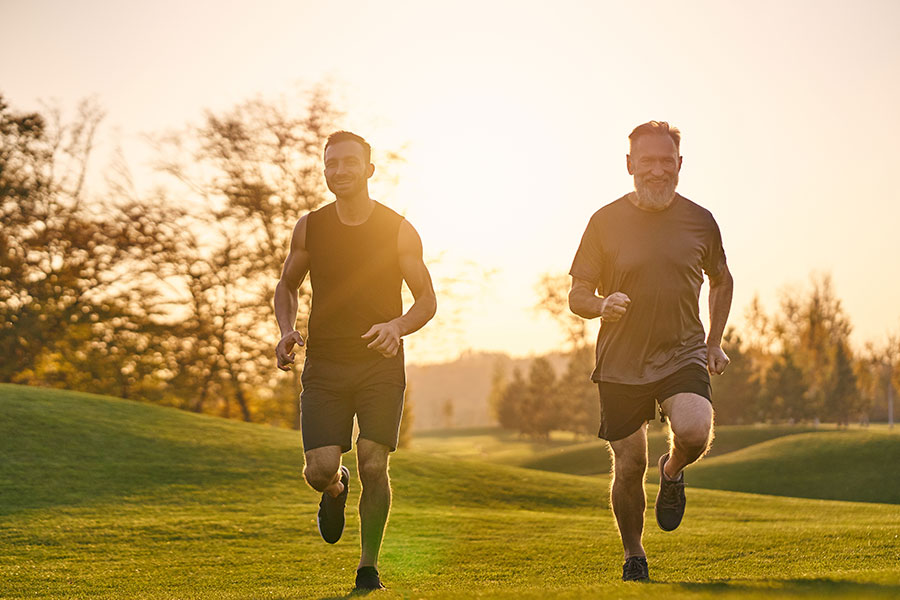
680	160
630	166
370	170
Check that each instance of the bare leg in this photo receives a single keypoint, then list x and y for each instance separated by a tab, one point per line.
375	500
690	430
628	498
322	470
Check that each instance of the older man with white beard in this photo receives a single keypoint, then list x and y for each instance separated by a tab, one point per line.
639	268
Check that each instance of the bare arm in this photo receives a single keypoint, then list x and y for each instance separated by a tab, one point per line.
721	289
585	303
296	266
385	337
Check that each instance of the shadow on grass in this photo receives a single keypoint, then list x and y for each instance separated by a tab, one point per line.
813	588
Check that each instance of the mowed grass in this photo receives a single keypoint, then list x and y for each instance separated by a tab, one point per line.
104	498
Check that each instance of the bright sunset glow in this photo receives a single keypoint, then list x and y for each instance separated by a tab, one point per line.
512	119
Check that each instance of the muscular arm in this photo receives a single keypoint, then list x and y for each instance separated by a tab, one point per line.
385	337
585	303
721	289
296	266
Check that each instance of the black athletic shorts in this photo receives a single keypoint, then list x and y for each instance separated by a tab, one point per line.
335	390
624	408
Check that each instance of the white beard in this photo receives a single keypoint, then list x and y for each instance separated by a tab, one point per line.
655	198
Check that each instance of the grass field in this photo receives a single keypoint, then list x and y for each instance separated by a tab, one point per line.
104	498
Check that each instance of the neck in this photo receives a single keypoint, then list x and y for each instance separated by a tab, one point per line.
650	205
354	210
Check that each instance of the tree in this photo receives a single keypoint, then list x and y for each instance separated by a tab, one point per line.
841	397
579	404
255	170
73	313
736	393
553	298
814	329
786	392
508	409
539	411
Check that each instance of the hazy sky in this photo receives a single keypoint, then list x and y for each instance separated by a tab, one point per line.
514	117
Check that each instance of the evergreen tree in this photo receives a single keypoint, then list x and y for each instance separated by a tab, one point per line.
736	393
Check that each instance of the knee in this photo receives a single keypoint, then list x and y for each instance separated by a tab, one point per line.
630	469
694	436
372	472
319	476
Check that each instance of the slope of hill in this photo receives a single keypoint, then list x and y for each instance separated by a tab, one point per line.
105	498
856	465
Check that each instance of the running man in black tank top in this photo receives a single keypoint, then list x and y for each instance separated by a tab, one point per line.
357	252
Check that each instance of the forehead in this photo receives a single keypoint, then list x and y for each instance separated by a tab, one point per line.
654	145
345	149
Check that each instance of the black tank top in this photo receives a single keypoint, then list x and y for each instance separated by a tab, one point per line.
356	280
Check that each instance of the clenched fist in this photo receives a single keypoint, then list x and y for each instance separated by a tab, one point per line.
614	307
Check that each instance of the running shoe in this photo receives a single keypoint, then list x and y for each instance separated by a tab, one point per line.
331	511
670	500
635	569
367	579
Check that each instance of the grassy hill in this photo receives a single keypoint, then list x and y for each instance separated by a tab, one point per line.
105	498
781	460
856	465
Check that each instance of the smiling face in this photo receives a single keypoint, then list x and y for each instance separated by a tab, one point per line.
346	169
655	164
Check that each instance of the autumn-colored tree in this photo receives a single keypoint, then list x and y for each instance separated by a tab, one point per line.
73	314
253	170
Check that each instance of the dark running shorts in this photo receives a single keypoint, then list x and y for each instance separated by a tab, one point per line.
624	408
335	390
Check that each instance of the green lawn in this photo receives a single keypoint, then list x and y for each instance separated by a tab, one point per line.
104	498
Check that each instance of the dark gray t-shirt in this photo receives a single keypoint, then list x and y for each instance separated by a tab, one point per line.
658	260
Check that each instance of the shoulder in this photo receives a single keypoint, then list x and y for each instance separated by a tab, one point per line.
388	214
610	211
298	238
408	239
323	210
696	211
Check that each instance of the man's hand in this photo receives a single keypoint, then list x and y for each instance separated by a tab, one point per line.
283	350
385	338
716	359
614	307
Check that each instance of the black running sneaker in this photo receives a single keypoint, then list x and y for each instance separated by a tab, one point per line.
635	569
367	579
670	500
331	511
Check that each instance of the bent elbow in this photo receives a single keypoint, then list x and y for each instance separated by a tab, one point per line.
575	305
432	307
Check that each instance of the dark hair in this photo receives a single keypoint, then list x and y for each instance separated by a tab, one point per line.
346	136
655	128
